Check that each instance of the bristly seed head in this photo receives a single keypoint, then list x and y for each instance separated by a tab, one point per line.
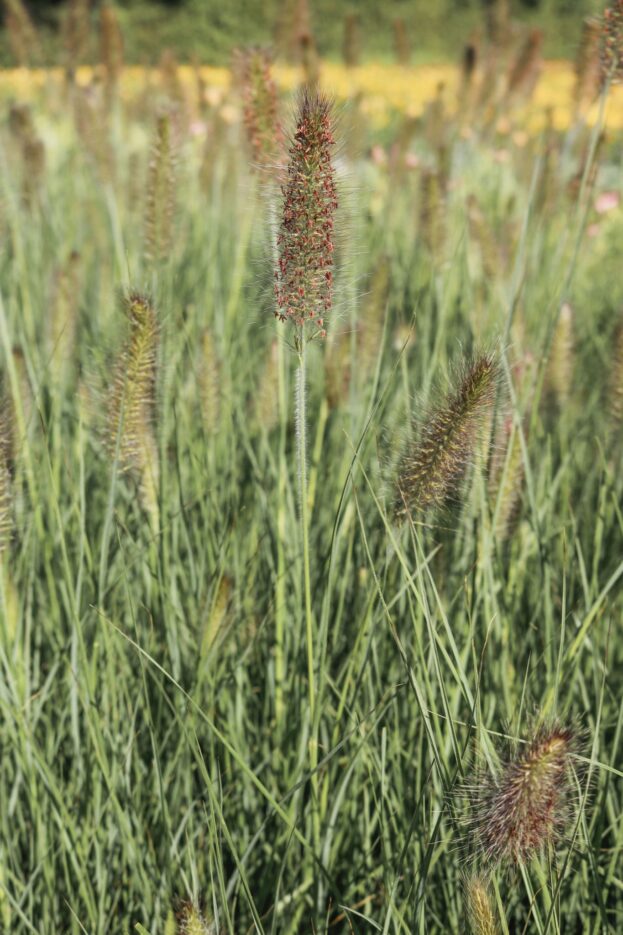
612	43
304	275
432	470
526	807
261	108
480	911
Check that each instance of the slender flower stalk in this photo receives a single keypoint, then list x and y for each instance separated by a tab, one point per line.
432	470
524	809
303	291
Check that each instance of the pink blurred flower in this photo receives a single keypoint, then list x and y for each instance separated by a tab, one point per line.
198	128
607	201
378	155
593	230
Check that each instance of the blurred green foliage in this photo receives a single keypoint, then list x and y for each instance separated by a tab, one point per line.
210	29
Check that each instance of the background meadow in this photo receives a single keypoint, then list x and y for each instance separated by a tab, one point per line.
161	767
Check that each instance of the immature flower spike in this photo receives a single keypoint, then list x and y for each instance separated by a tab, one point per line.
304	276
480	911
160	195
612	43
432	470
261	109
524	809
130	416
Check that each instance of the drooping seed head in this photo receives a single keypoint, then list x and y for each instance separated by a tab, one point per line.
525	808
612	43
432	469
304	275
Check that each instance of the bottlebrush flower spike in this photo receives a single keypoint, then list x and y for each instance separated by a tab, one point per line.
261	109
192	922
525	808
6	483
612	43
480	910
432	470
160	206
304	275
130	417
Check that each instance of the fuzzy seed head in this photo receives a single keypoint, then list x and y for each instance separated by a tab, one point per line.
587	64
192	922
559	374
304	275
160	195
131	404
6	494
525	808
480	910
612	43
432	469
261	109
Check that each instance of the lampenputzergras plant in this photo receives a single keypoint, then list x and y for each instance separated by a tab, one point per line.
304	294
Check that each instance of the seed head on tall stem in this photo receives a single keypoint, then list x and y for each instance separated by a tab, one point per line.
304	275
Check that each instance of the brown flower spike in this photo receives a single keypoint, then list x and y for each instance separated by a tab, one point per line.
524	809
304	276
432	469
612	43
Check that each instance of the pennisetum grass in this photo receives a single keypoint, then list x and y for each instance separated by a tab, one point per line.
481	912
261	108
433	467
525	808
304	292
130	431
111	50
75	35
160	196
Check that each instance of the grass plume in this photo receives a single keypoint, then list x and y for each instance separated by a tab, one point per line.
160	195
525	808
433	467
131	404
479	905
